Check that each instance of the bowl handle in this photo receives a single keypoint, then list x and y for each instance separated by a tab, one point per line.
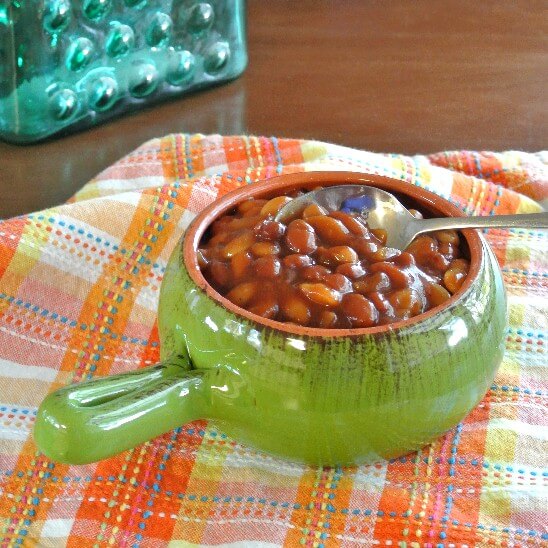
96	419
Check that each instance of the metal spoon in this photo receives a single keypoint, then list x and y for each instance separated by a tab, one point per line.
382	210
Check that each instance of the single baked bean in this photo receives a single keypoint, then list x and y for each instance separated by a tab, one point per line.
342	254
295	309
383	254
380	234
449	251
240	243
400	314
329	229
267	267
403	260
262	249
455	275
269	230
447	236
241	223
360	311
328	319
453	280
438	261
312	210
243	293
323	256
351	270
437	294
398	278
300	237
365	248
460	264
408	300
377	281
240	264
339	282
315	273
273	206
297	260
353	224
252	212
381	304
423	248
267	306
252	203
321	294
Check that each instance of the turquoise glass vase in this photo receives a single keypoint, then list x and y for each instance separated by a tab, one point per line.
70	64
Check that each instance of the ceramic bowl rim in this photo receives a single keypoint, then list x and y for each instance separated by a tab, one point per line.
289	182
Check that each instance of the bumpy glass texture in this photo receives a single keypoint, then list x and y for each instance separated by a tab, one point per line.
69	64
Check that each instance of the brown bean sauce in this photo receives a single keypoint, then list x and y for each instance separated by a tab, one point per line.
326	269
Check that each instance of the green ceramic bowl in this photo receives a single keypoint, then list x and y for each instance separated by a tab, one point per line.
311	395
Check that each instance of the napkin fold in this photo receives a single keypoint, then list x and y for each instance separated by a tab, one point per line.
78	295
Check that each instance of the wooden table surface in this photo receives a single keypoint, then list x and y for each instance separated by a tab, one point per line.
388	76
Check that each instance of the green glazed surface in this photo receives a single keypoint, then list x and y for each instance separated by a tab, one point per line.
338	400
315	398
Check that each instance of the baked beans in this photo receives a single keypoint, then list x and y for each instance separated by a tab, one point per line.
326	269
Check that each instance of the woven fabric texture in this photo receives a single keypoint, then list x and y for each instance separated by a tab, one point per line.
79	289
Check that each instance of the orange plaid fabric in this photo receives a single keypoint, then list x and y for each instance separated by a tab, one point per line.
78	294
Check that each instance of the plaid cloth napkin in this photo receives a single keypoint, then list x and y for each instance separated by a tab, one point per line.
78	294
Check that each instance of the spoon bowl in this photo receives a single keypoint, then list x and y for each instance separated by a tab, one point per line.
382	210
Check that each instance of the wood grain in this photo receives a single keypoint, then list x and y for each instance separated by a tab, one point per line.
391	76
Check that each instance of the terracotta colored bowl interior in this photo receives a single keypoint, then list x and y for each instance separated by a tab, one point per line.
411	196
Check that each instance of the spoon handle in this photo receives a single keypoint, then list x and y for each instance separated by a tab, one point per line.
529	220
